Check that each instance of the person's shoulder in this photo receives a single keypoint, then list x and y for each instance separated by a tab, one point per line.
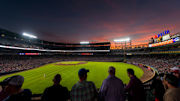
172	94
48	88
135	79
27	92
74	86
90	82
177	90
57	87
171	91
64	88
108	79
117	78
52	89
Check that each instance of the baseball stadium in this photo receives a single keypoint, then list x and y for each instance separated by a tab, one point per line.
89	50
38	61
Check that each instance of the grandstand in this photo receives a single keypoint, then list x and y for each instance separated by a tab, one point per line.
13	41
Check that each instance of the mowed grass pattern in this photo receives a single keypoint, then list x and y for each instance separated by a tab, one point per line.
35	80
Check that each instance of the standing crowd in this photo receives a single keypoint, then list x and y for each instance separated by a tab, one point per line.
112	89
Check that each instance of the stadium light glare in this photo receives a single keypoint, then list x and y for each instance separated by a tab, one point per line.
122	40
84	42
30	35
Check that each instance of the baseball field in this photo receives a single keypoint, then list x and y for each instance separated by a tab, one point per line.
39	78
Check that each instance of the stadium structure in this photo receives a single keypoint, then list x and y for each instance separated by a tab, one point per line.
17	44
158	56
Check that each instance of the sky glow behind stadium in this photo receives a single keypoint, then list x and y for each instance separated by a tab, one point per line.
91	20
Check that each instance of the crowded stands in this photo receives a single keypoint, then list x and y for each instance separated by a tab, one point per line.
163	63
19	63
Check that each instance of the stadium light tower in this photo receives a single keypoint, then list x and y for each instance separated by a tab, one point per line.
84	42
30	35
122	40
125	40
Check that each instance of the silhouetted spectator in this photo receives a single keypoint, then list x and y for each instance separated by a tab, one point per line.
15	92
135	88
172	91
159	90
56	92
112	88
4	93
177	74
83	90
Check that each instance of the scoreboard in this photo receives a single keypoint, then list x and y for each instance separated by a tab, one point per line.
163	38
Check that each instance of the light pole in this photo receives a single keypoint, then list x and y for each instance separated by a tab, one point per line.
124	40
84	42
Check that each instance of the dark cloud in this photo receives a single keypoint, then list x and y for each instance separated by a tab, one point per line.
100	20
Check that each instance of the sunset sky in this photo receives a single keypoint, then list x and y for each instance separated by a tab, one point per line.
90	20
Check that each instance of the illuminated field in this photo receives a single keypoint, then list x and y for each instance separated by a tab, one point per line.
37	82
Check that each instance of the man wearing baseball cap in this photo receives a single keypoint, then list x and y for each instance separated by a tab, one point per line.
4	93
16	93
83	90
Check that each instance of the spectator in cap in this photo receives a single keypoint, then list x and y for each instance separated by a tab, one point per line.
16	93
56	92
135	88
171	85
112	88
83	90
4	93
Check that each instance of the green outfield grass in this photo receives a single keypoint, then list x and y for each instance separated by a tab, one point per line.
35	80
